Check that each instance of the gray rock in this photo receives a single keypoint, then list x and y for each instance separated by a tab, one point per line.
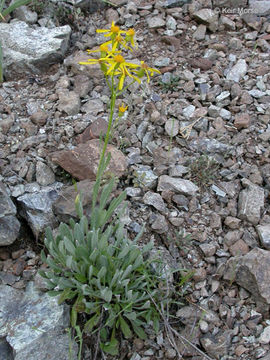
154	199
264	235
162	61
145	176
171	23
188	111
6	352
199	34
260	7
29	51
218	345
214	111
93	107
207	17
69	102
23	13
160	224
250	202
36	208
205	145
252	272
265	336
181	186
172	127
256	93
34	324
155	22
9	225
44	174
178	170
238	71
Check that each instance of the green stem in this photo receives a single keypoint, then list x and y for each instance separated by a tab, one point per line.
107	136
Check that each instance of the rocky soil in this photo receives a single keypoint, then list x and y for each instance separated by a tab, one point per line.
192	153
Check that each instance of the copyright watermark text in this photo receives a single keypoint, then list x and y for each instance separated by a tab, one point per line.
233	11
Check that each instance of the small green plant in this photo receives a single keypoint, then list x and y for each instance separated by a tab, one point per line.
109	277
171	85
203	171
3	13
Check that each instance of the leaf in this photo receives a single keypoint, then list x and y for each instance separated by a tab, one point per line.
130	315
14	6
81	278
69	245
106	294
156	324
125	328
79	234
78	206
102	273
111	347
67	294
139	331
73	316
91	323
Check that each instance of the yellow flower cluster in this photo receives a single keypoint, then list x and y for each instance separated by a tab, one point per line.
111	60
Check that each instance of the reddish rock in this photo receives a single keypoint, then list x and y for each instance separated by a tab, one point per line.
201	63
39	117
239	248
82	162
242	121
93	131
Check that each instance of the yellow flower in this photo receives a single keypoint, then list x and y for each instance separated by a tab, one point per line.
130	36
122	108
120	66
112	32
145	69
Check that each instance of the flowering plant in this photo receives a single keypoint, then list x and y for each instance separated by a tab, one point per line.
116	70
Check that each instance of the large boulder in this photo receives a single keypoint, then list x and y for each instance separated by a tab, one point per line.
33	325
28	50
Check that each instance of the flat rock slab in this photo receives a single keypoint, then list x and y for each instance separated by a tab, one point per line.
182	186
28	50
250	202
33	324
82	162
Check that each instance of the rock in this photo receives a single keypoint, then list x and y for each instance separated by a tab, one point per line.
170	353
69	102
82	85
265	336
227	23
82	162
201	63
218	345
34	324
24	14
261	7
172	127
250	202
242	121
9	225
178	170
186	187
160	224
36	208
145	176
252	273
29	50
155	22
73	61
44	174
155	200
205	145
94	131
238	71
93	107
64	205
232	222
207	17
253	21
239	248
39	117
230	3
188	111
264	235
199	34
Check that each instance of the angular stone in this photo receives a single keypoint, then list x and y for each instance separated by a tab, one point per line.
265	336
186	187
29	50
238	71
239	248
242	121
205	145
201	63
82	162
24	14
93	107
39	117
155	22
44	174
36	208
154	199
34	324
93	131
207	17
64	205
253	273
145	176
160	224
172	127
199	34
264	235
69	102
250	202
218	345
9	225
